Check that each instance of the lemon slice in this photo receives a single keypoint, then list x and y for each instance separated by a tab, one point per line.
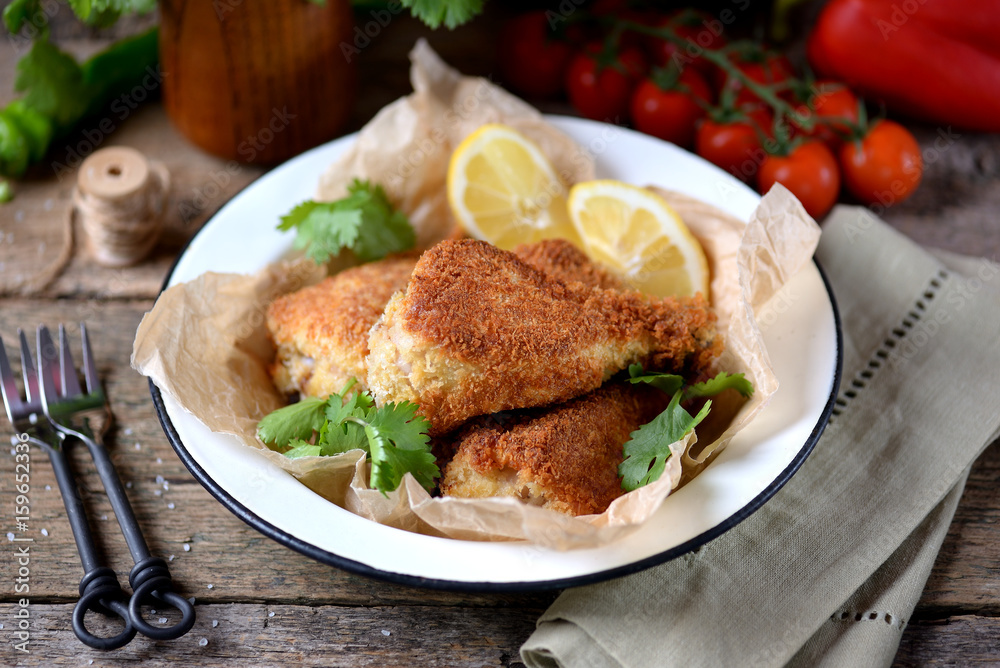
635	233
502	189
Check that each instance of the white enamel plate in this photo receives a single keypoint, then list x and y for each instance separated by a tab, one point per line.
803	338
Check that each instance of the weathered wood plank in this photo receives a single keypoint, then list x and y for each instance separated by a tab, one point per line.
954	641
284	635
966	575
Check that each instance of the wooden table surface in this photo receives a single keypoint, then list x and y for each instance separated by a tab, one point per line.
259	603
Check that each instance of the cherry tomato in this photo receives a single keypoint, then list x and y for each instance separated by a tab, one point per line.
701	30
532	60
602	92
809	171
830	101
734	146
885	166
767	68
671	114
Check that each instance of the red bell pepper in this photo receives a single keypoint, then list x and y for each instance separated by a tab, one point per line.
938	60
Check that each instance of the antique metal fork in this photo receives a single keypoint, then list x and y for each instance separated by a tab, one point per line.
99	588
86	416
56	412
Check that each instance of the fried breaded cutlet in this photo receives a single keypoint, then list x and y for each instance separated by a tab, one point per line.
564	458
561	259
479	331
321	332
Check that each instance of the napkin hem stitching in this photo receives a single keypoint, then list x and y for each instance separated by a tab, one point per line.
852	616
884	352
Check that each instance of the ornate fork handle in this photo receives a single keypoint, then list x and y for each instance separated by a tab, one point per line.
149	577
99	588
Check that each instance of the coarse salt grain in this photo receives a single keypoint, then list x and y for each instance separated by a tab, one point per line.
163	620
386	632
159	480
211	586
138	447
203	642
270	614
187	547
170	506
215	622
45	532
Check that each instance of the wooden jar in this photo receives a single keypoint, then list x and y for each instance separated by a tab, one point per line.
257	81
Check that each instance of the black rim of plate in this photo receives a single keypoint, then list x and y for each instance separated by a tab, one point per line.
360	568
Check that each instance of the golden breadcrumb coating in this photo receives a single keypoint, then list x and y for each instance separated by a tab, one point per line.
479	331
321	332
564	458
561	259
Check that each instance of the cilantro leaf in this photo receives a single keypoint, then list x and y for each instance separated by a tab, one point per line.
723	381
668	382
394	436
296	422
648	448
399	444
452	13
302	448
364	222
53	84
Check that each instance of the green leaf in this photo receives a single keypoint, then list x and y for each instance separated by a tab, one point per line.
6	192
103	13
53	84
364	222
451	13
383	230
340	433
399	444
668	382
336	438
295	422
302	448
17	12
648	449
723	381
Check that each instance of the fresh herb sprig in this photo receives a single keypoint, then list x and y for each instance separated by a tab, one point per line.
364	222
648	449
394	436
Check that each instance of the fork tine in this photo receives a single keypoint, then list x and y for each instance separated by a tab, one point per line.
28	370
8	386
46	366
89	368
67	371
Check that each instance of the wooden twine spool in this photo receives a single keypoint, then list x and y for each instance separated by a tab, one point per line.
119	200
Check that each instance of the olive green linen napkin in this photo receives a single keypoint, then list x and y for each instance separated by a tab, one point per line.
828	571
